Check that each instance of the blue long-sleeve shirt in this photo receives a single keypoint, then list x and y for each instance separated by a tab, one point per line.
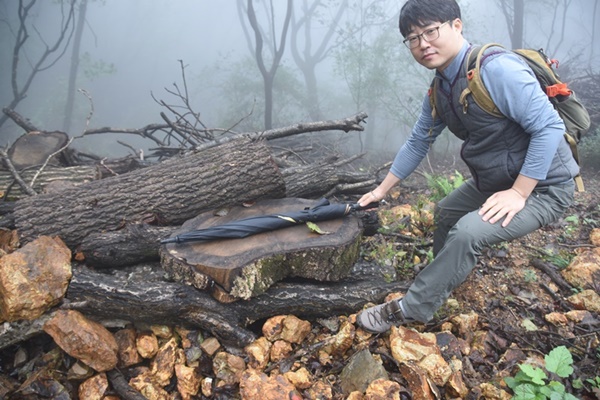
516	92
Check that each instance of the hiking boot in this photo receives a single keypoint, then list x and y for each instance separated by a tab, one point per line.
381	318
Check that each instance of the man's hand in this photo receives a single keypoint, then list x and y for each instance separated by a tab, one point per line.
506	203
368	198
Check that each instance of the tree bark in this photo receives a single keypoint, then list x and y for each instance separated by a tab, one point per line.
134	244
46	179
170	192
140	294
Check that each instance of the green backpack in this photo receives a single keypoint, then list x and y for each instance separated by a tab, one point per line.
572	112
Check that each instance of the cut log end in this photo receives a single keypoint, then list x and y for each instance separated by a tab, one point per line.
247	267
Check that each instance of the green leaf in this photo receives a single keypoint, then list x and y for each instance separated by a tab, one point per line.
315	228
559	361
528	325
511	382
537	375
526	392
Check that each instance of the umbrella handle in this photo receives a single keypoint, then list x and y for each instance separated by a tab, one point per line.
358	207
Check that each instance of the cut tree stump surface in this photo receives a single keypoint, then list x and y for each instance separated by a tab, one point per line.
243	268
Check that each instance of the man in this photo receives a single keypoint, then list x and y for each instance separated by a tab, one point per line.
521	167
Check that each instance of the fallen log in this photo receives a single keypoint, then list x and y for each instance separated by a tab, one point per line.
140	295
37	148
170	192
309	181
138	242
47	178
134	244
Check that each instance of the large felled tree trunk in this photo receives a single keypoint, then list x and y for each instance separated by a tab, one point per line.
170	192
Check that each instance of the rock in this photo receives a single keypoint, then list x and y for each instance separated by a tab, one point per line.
579	316
144	383
93	388
190	342
86	340
258	353
162	331
410	345
228	367
34	278
210	346
587	300
418	383
491	392
557	318
162	366
456	386
360	370
79	371
286	327
128	352
582	269
320	390
280	350
595	237
9	241
206	386
466	324
437	368
342	340
257	385
383	389
301	378
355	396
188	381
146	344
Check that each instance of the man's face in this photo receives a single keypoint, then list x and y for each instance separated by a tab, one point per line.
437	53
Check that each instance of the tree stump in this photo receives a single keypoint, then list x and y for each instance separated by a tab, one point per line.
234	269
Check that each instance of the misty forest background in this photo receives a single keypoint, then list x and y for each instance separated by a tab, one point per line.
249	65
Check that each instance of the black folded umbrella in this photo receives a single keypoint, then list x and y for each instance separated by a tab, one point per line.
322	211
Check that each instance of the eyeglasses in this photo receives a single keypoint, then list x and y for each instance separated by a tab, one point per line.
428	35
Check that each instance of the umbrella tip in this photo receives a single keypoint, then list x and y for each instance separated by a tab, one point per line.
170	240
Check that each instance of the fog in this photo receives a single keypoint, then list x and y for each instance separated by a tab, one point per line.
131	49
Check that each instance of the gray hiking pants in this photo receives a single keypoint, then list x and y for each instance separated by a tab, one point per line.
461	234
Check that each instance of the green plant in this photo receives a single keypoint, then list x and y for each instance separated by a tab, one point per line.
441	186
530	276
573	225
532	383
595	382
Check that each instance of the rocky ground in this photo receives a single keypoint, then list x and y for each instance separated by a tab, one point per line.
509	312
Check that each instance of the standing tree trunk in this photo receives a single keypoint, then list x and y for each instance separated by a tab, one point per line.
307	60
268	74
74	66
20	87
514	15
519	16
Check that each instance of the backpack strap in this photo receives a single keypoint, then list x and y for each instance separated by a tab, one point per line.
475	86
573	145
432	93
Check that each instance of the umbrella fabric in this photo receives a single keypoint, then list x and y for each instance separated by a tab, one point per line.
322	211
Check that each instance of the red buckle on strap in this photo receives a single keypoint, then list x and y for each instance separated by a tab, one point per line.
558	89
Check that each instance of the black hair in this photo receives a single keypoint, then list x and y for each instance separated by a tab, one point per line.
424	12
